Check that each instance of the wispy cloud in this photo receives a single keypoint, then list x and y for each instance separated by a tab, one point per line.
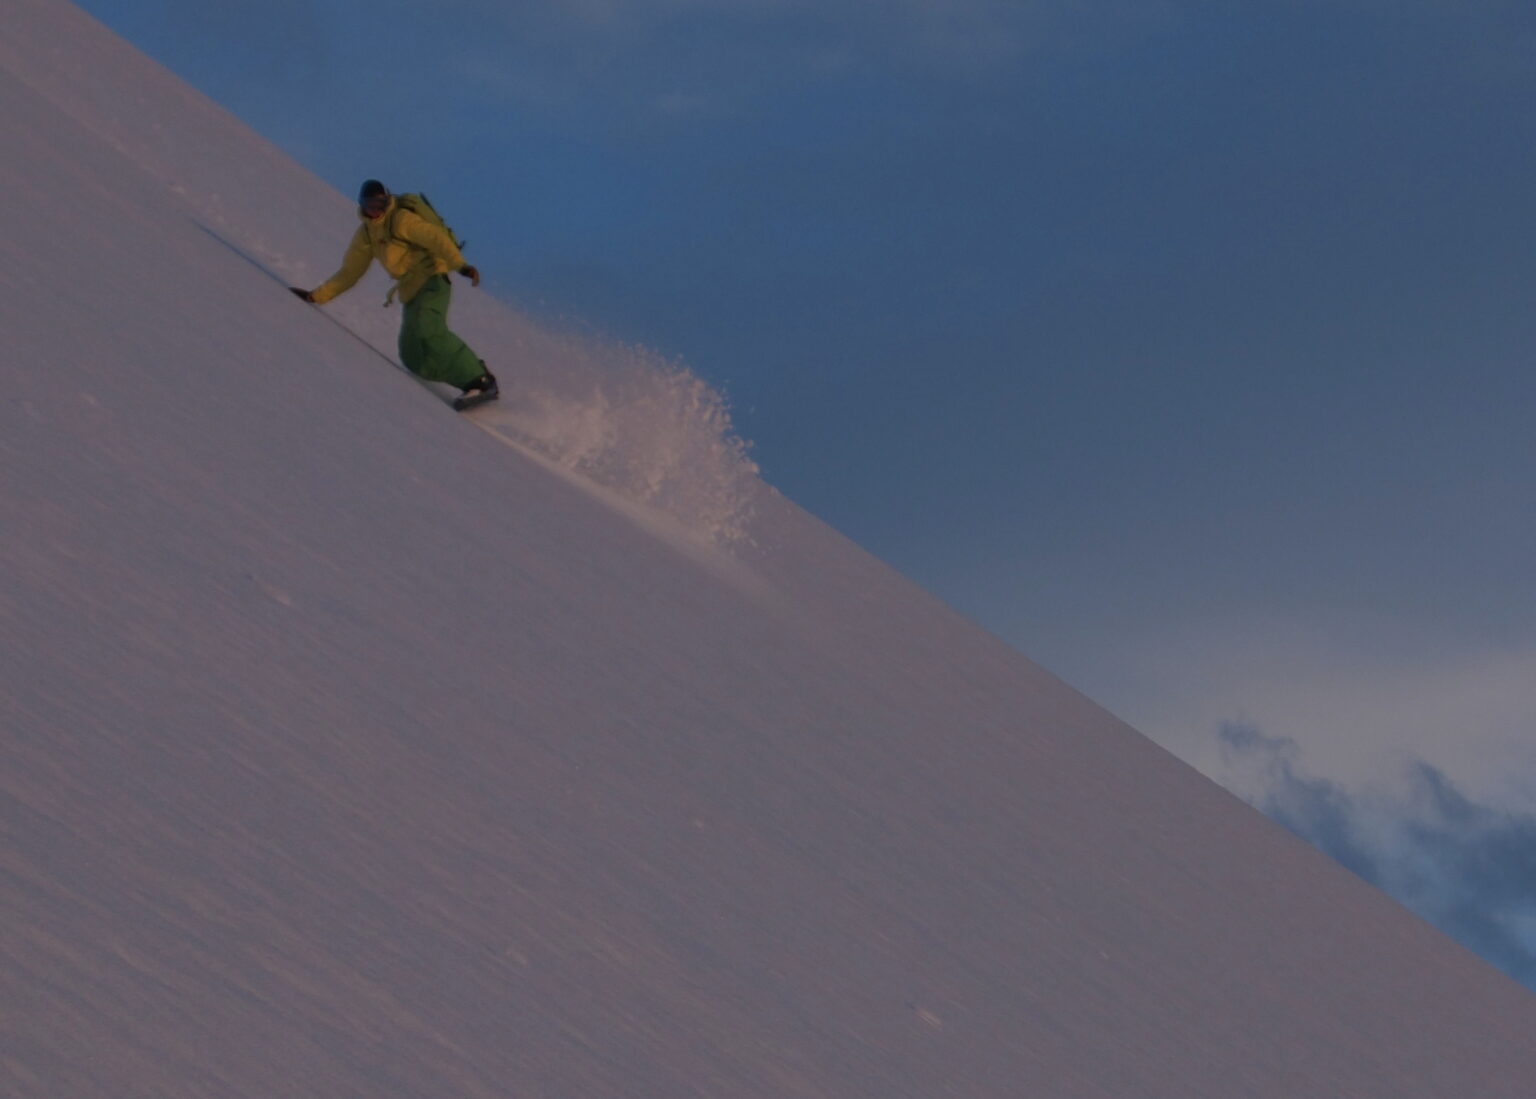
1468	868
1360	693
737	52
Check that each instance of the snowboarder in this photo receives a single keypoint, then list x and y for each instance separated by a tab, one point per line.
419	254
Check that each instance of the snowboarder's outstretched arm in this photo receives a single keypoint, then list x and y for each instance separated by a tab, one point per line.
353	265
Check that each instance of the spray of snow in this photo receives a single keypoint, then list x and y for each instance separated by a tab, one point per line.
631	421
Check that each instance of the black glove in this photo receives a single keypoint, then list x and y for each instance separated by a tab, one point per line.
471	274
302	295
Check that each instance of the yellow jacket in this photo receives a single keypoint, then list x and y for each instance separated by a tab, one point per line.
409	247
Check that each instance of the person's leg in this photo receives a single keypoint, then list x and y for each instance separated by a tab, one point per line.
427	347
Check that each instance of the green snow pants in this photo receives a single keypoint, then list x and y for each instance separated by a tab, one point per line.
427	348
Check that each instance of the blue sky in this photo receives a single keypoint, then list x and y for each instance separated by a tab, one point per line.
1187	346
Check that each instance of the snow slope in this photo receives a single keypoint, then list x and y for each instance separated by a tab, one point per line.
353	748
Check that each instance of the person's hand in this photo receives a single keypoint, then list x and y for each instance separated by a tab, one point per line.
302	295
469	272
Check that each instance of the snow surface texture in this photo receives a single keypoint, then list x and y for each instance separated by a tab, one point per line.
347	751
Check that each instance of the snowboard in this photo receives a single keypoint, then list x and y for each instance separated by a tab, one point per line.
464	404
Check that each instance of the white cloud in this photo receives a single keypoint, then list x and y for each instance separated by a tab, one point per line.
1358	702
1464	866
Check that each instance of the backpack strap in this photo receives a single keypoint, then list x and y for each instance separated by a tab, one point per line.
390	228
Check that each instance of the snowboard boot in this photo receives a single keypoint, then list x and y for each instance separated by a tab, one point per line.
482	389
